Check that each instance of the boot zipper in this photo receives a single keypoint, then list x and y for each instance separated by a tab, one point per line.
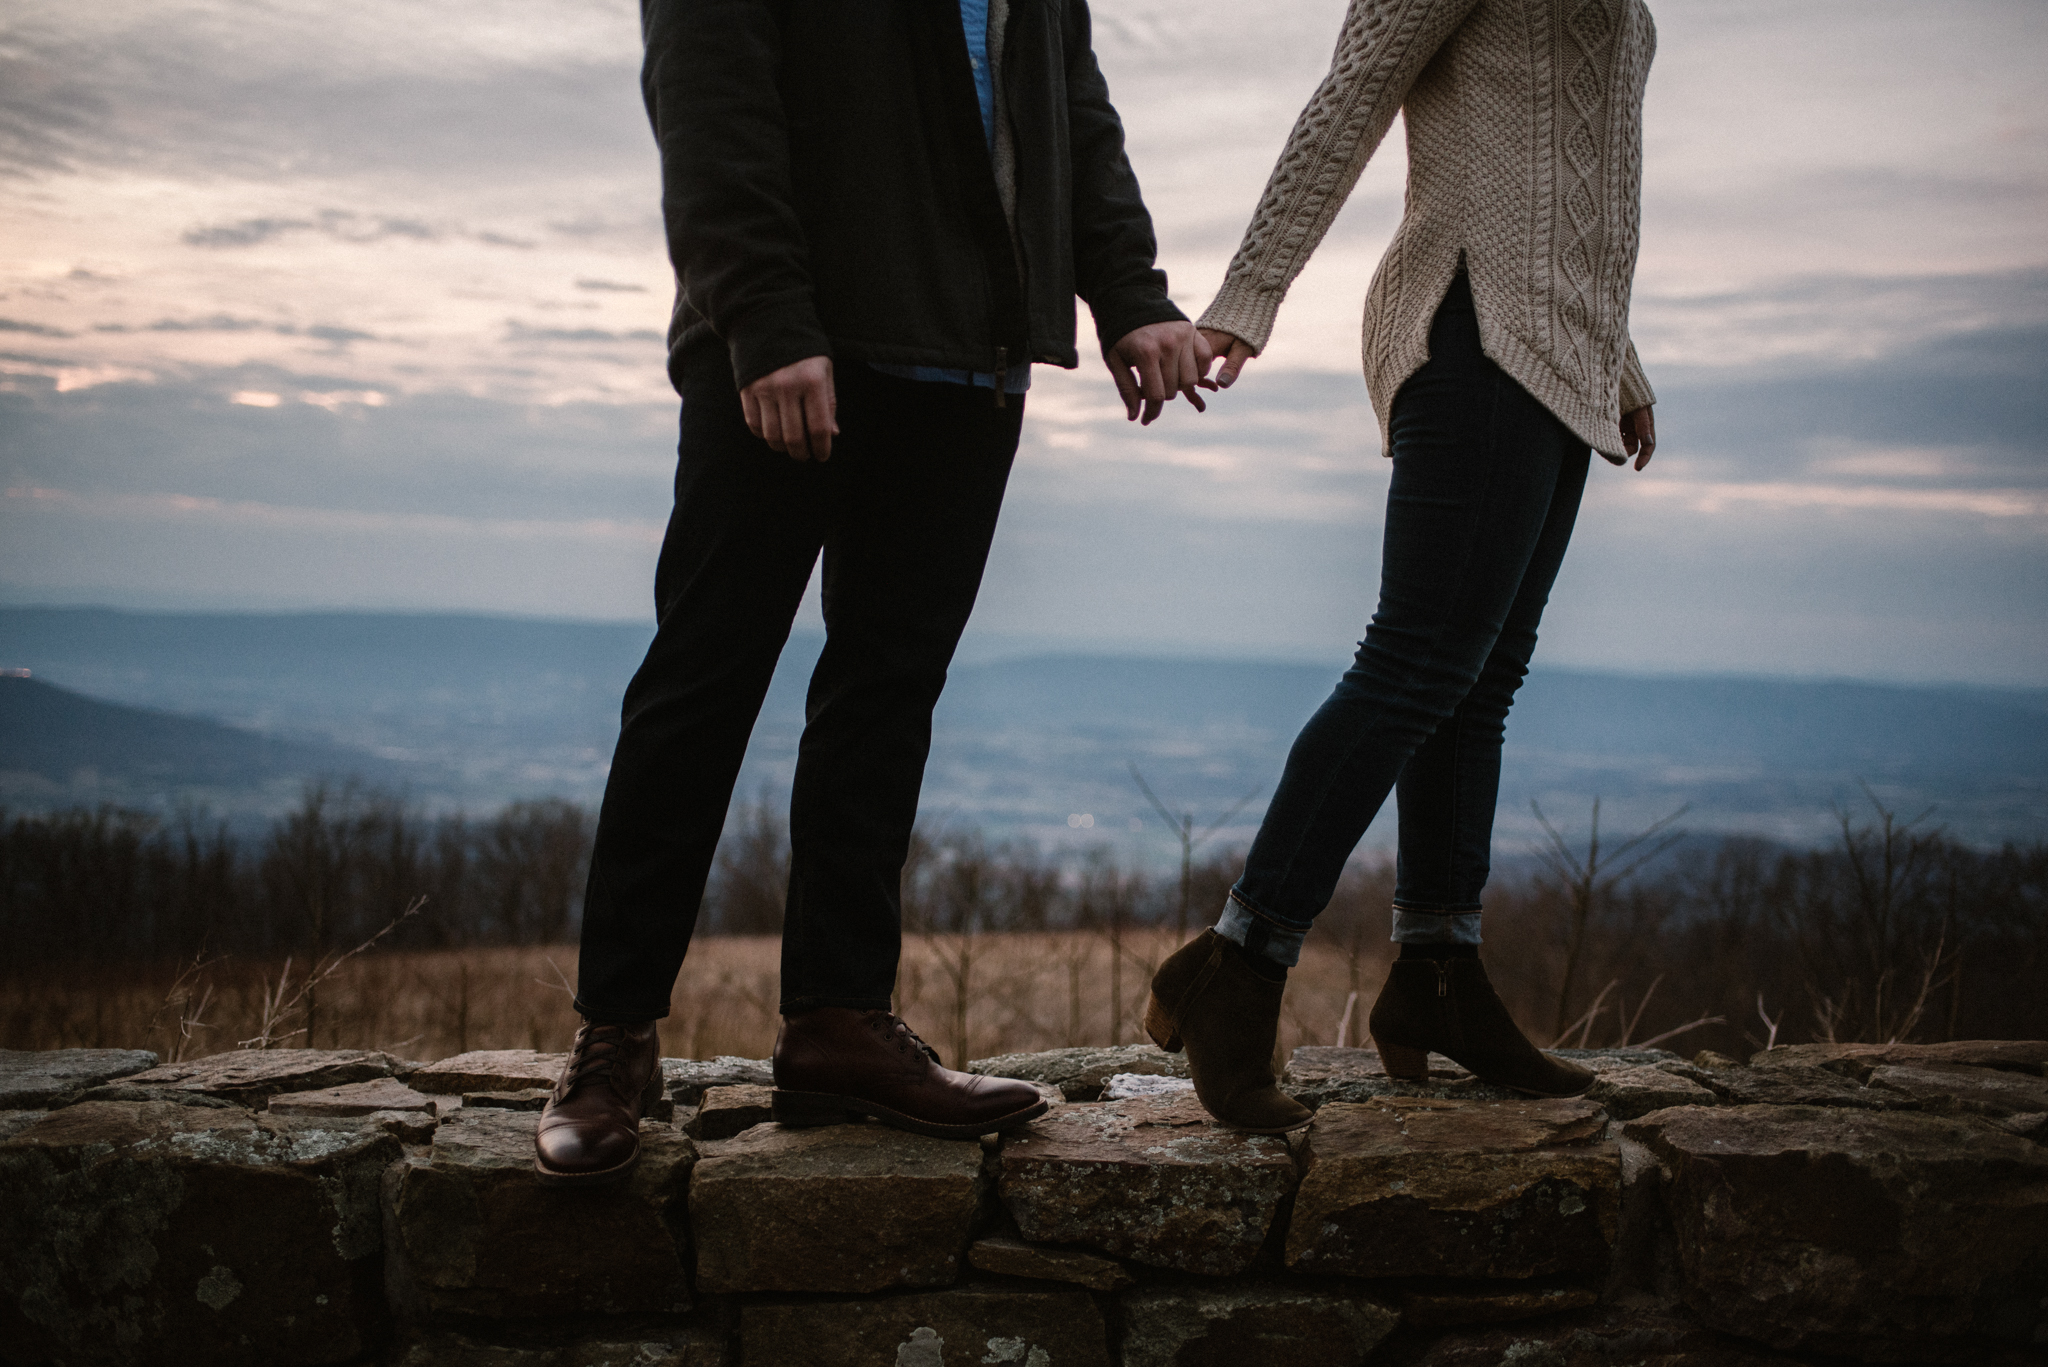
1443	977
1002	373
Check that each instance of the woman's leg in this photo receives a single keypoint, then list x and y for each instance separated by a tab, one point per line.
1449	787
1477	469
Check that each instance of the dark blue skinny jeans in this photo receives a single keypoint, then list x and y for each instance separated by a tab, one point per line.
1486	486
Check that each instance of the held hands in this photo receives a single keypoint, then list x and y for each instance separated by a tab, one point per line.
795	409
1233	353
1155	362
1639	435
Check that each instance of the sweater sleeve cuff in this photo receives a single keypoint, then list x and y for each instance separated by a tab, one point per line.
779	333
1635	386
1246	314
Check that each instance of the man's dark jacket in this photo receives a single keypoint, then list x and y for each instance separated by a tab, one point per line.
828	188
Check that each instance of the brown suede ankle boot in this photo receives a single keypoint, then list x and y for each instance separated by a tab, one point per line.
1207	999
1447	1006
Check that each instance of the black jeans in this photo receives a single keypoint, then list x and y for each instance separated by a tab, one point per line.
1485	489
904	512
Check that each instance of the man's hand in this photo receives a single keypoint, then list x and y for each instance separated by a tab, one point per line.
794	409
1234	353
1639	435
1155	362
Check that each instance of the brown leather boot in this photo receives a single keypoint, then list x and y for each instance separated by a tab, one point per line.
833	1064
1207	999
1448	1006
589	1133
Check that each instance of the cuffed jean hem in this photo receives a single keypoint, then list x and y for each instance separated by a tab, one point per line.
796	1006
1435	927
606	1017
1258	935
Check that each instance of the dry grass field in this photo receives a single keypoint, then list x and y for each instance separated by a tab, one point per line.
969	996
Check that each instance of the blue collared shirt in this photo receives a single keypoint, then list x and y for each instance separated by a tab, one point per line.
974	19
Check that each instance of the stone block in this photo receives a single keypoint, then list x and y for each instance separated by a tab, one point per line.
687	1079
37	1079
176	1096
152	1233
725	1111
1081	1074
1627	1090
489	1070
1239	1325
1152	1179
654	1345
2034	1126
13	1123
836	1208
1420	1187
250	1077
1618	1056
1952	1088
1791	1084
1490	1302
1856	1060
1015	1258
1617	1336
531	1099
352	1099
1317	1074
971	1325
1124	1086
1891	1237
480	1236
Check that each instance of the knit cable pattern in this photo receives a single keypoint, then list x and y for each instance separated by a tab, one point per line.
1524	123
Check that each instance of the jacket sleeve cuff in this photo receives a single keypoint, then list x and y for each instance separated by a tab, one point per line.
772	336
1246	314
1120	312
1635	386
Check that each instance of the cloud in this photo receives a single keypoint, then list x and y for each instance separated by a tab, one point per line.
227	323
340	224
32	329
516	331
611	286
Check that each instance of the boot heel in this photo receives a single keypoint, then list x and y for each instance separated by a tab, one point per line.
1159	1025
809	1108
1402	1063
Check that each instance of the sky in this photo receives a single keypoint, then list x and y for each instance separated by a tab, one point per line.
362	306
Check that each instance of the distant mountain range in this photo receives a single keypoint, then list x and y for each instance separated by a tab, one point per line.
238	710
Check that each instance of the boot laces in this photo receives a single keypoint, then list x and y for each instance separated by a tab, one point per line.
900	1034
596	1054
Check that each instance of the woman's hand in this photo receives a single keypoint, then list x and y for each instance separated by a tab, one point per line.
1233	353
1639	435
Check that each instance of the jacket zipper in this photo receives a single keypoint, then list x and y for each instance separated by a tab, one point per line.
1002	372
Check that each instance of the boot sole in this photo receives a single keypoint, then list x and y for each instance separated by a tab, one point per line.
804	1109
601	1177
1405	1063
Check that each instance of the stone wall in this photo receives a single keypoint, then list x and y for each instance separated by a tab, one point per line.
1819	1203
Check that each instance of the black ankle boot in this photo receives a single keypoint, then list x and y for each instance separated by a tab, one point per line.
1447	1006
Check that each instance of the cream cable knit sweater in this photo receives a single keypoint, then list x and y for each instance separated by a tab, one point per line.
1524	156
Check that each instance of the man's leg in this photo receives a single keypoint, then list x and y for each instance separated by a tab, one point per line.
741	542
924	470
